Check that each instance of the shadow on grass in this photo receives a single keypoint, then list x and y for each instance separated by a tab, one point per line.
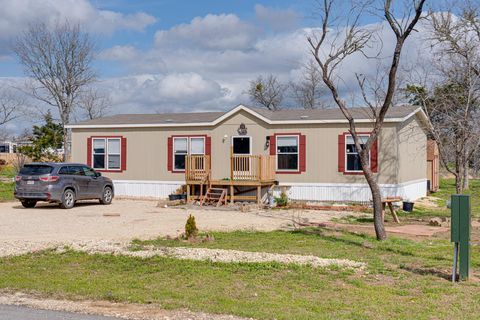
428	272
381	247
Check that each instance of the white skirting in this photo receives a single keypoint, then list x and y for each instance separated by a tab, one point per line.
146	189
411	190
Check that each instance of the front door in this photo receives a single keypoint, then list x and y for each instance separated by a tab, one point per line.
241	161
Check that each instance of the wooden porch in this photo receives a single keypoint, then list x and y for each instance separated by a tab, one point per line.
248	173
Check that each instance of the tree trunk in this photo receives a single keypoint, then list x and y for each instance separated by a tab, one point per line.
458	182
466	182
376	197
66	145
377	208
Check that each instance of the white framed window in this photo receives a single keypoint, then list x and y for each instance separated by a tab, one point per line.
183	146
113	154
352	158
287	152
106	153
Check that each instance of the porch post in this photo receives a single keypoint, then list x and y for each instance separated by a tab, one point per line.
231	193
259	194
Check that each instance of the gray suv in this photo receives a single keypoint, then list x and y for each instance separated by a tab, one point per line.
63	183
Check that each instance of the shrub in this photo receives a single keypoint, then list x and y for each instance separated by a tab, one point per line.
3	162
282	201
191	230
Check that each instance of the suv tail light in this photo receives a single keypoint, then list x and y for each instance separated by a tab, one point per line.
18	178
49	178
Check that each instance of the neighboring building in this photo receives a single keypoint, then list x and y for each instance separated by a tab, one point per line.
433	166
309	153
10	146
7	147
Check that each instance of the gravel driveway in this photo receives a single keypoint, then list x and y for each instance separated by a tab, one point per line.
124	220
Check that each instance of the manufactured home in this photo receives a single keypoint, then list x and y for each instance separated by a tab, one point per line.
309	154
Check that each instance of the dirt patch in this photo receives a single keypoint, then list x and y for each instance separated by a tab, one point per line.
106	308
428	202
409	231
124	220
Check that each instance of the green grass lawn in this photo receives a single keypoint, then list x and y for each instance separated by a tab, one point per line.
6	191
7	171
6	188
404	279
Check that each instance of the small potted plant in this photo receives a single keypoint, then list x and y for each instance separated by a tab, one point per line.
179	194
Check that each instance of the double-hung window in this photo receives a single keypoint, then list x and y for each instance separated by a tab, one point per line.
352	158
287	153
183	146
106	153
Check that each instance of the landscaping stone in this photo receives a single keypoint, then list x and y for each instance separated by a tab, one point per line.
439	222
204	254
435	222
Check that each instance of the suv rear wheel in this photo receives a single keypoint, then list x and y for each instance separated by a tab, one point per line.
107	196
29	203
68	199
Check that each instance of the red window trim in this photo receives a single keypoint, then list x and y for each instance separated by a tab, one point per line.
170	155
123	153
374	148
274	145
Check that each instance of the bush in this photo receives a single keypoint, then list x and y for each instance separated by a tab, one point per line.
3	162
282	201
191	230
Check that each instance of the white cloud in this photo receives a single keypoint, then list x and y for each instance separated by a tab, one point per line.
213	32
171	92
276	19
119	53
15	15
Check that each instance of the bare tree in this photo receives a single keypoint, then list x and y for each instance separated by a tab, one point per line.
308	92
353	39
11	105
93	104
267	91
451	96
58	61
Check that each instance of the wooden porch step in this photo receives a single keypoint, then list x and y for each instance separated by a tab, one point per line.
217	195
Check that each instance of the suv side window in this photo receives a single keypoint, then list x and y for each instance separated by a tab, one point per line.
64	170
76	170
89	172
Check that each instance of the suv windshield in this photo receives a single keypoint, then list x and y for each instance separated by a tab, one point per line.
36	170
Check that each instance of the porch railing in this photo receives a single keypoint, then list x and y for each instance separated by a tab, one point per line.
197	168
252	167
242	167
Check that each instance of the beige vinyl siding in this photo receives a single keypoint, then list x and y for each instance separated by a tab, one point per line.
147	150
412	151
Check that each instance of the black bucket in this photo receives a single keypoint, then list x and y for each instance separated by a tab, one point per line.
407	206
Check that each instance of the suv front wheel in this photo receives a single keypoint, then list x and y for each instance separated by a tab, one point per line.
68	199
107	196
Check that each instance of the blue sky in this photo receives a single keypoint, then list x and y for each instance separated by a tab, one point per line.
165	55
169	13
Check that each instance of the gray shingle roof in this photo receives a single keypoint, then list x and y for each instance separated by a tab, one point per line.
207	117
155	118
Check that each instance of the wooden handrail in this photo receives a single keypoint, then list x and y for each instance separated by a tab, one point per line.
197	167
252	167
242	167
